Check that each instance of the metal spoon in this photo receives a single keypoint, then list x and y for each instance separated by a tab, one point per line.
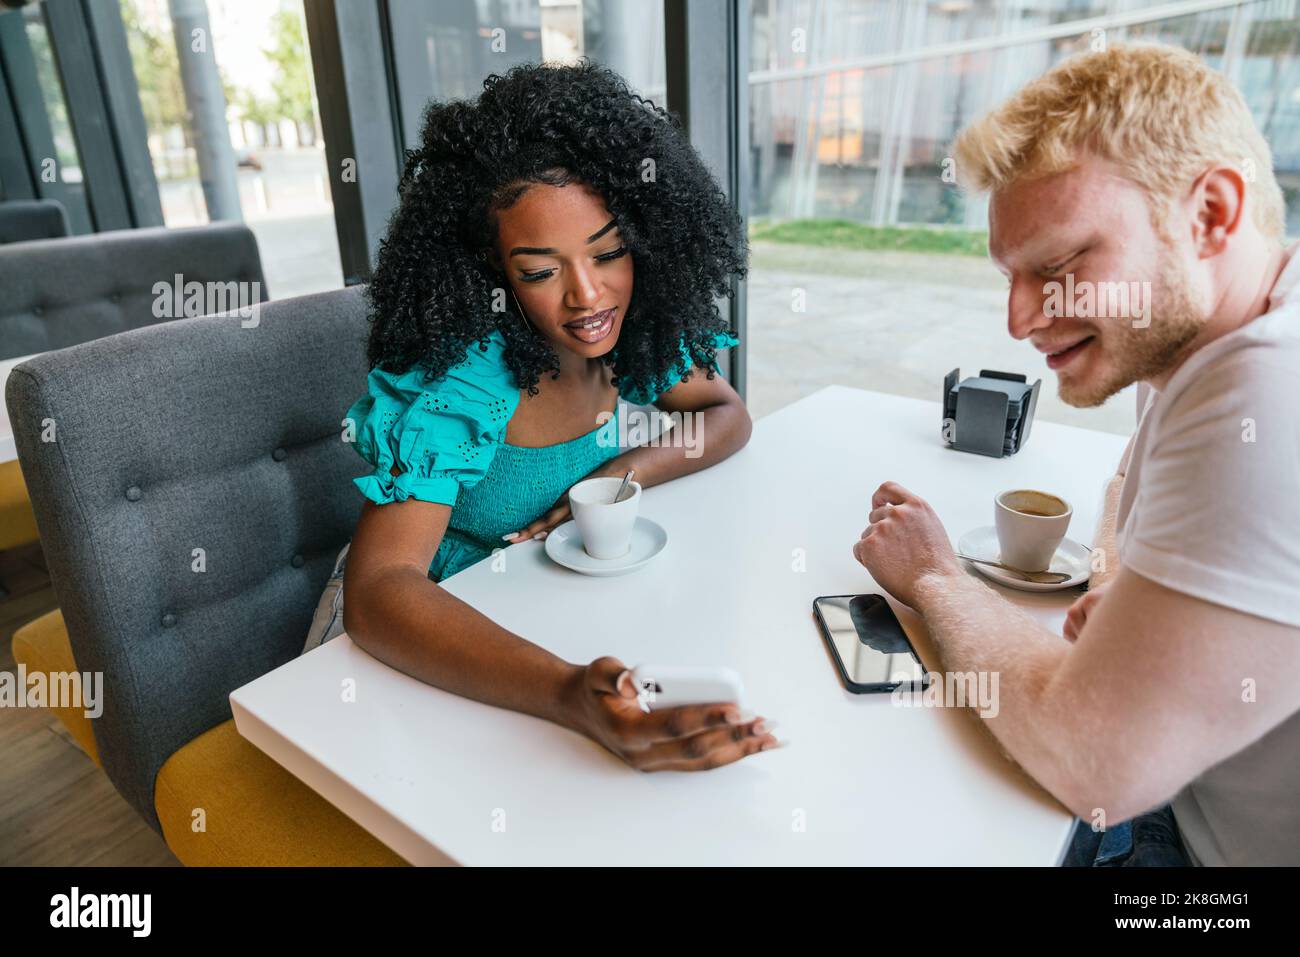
623	488
1039	578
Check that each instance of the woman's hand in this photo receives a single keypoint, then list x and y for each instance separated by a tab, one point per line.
559	513
603	705
1079	611
553	517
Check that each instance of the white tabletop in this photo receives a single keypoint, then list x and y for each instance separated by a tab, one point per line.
8	450
863	781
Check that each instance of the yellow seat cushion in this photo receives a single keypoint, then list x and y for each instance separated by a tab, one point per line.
17	520
254	811
42	646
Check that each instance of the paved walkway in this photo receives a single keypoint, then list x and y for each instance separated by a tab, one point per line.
890	321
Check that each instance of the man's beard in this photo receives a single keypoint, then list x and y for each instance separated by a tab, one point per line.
1177	315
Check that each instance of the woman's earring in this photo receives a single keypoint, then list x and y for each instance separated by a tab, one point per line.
482	255
522	314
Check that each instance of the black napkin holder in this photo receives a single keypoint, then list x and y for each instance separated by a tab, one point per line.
989	414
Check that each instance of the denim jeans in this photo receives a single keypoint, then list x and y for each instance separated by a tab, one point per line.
327	622
1148	840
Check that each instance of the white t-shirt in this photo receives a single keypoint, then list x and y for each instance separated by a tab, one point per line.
1210	507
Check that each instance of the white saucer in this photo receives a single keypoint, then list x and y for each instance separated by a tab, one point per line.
1071	559
564	545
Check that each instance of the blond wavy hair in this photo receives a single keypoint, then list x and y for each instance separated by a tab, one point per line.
1156	111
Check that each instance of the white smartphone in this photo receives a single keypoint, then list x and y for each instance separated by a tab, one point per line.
670	686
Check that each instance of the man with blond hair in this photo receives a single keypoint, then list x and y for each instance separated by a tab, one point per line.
1180	678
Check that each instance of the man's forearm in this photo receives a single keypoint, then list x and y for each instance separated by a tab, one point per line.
974	629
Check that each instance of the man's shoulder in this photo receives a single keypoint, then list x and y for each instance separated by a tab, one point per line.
1260	362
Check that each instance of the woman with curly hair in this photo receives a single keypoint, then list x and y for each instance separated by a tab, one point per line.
558	244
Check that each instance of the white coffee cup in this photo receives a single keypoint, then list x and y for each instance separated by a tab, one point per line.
1030	526
605	525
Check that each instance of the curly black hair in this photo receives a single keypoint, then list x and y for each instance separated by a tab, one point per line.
431	294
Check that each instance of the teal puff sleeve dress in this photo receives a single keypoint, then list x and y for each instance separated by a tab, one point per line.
447	438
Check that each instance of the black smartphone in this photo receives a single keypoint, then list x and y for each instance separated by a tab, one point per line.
870	648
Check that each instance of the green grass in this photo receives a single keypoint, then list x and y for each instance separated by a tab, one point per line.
846	234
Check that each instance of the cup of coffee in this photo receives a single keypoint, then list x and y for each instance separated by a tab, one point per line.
605	525
1030	526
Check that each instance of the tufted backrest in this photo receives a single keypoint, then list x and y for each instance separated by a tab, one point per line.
59	292
192	490
22	220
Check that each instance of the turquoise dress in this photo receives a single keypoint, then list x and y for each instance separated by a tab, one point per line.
448	439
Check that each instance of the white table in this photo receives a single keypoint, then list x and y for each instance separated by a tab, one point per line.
8	450
436	776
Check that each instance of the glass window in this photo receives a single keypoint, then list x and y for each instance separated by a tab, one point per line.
273	127
446	50
62	179
869	268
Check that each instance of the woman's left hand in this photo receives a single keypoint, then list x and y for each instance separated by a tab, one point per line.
558	513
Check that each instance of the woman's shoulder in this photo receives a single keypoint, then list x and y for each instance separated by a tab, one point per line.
439	431
645	393
484	367
481	383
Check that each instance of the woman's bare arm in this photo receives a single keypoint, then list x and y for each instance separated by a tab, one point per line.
394	612
709	414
